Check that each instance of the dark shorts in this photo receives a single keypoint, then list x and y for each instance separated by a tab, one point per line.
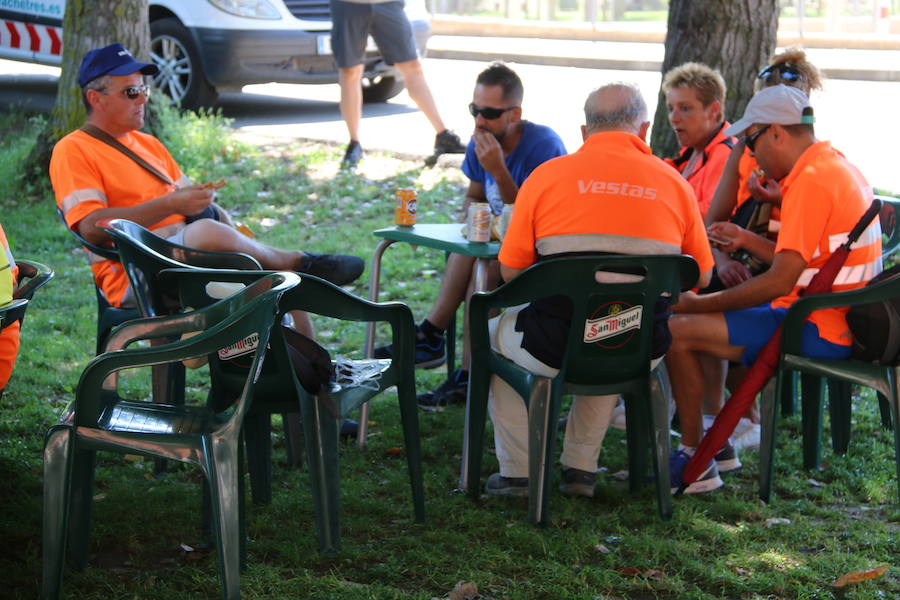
752	328
385	21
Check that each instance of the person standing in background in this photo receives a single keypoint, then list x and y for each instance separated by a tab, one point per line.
352	21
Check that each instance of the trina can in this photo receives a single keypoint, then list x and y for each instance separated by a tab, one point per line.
405	206
478	223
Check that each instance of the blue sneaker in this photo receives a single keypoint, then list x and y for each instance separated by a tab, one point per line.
429	355
708	481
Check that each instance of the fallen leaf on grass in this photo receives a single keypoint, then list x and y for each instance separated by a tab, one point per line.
186	548
815	483
652	574
393	451
620	475
857	576
464	591
602	549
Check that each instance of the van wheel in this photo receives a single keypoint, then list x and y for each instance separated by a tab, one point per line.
180	74
380	88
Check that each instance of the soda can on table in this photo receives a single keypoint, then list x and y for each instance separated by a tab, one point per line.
478	223
504	218
405	207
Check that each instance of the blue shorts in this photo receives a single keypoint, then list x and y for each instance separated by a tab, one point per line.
351	24
753	327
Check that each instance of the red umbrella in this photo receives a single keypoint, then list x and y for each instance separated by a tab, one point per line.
766	362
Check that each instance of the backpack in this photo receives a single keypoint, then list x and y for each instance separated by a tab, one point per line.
876	326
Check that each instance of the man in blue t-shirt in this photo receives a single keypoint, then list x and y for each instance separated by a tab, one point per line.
502	153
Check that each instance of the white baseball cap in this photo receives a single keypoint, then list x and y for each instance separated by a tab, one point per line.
777	104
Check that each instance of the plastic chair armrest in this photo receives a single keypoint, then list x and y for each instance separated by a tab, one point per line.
37	275
801	309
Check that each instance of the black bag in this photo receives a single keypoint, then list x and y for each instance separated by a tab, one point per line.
312	363
876	326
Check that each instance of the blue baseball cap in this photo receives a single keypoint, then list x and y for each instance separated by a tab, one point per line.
111	60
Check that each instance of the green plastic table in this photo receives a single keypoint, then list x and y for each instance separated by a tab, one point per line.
447	237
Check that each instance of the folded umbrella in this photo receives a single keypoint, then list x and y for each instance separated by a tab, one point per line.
766	362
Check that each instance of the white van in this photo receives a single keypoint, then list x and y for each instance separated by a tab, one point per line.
204	47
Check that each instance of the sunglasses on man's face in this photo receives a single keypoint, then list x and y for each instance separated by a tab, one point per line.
775	74
487	112
132	92
750	140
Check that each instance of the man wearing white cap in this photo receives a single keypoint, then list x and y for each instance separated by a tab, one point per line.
823	198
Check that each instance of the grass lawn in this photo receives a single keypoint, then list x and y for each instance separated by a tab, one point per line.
728	544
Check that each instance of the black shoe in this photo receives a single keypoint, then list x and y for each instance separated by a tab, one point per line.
498	485
352	155
445	142
452	391
576	482
339	269
429	355
349	428
448	142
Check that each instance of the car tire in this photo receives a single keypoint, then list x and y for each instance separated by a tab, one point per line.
380	88
181	74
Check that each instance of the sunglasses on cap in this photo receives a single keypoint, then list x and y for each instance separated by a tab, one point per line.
750	140
775	74
132	92
487	112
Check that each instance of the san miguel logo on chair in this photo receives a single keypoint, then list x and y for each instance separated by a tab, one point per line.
240	347
610	323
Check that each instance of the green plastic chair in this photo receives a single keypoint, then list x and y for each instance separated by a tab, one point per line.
839	393
99	419
588	368
32	277
322	414
108	316
144	255
882	378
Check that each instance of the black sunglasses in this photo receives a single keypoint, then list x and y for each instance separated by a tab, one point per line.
132	92
750	140
775	74
487	112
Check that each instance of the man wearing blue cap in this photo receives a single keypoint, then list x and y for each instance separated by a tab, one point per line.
108	169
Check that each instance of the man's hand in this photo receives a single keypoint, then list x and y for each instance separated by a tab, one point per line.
687	303
489	152
726	236
732	272
764	190
191	200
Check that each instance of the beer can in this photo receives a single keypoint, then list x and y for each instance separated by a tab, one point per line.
504	218
405	206
478	222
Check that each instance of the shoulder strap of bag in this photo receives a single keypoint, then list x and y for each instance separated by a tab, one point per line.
97	133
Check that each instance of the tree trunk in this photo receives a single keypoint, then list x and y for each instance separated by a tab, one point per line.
737	37
87	25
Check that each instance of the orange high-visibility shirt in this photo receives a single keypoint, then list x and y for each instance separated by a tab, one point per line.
89	175
823	198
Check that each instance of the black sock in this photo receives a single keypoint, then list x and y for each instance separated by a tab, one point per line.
432	333
461	376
